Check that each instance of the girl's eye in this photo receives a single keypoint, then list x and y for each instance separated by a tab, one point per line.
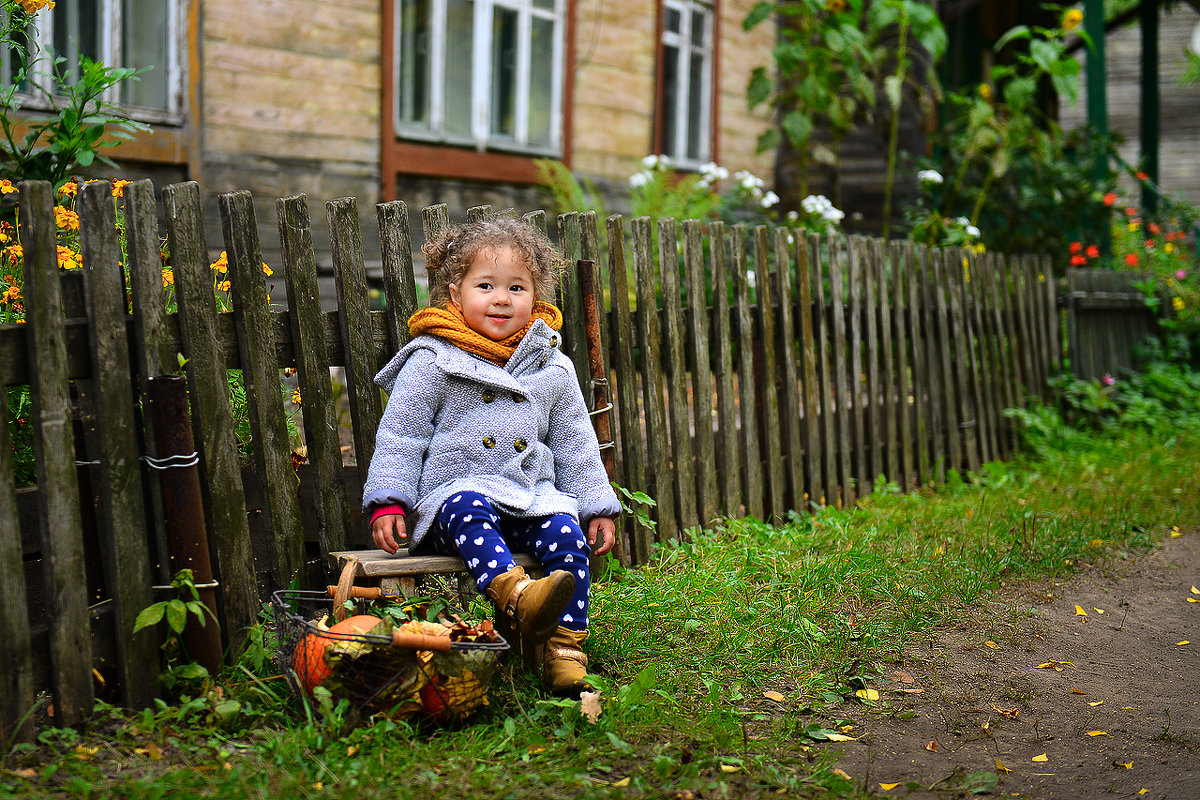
483	285
516	288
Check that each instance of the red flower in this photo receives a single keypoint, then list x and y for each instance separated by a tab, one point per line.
1076	247
1131	212
1153	226
1109	199
1141	176
1078	261
1093	251
1131	259
1149	244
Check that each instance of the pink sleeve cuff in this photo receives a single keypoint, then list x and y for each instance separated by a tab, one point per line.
382	511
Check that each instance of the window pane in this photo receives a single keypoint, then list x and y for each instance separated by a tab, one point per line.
75	34
412	61
671	99
698	24
673	20
145	26
458	53
504	72
541	82
544	5
695	111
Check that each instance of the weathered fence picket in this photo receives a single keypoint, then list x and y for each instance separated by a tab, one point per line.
776	370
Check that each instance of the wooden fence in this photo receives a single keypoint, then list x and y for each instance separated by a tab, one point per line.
753	372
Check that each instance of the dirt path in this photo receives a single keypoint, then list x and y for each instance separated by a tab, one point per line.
985	697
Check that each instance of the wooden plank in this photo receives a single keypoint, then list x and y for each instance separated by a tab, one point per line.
399	283
964	360
212	417
824	345
885	264
792	432
769	425
730	476
814	481
16	657
155	341
945	394
121	512
753	484
350	276
436	219
252	319
898	254
976	349
570	242
839	367
1025	327
991	356
54	446
629	432
678	413
915	270
483	213
707	498
657	444
375	564
856	399
1053	329
1003	378
1008	288
321	438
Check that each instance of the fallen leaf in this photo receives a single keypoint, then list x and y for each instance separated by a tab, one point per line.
351	750
838	737
1057	666
1097	733
1181	644
900	676
1079	612
887	787
845	728
867	694
1143	791
27	773
1000	766
589	706
1042	757
729	768
776	696
1129	708
1098	610
992	645
536	749
1125	764
843	773
1011	713
1195	590
623	782
932	746
911	691
1193	600
150	751
1175	532
1097	703
1078	691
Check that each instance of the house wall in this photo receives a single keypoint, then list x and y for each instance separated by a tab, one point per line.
1179	148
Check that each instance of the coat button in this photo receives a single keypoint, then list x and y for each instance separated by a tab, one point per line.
542	364
519	445
489	396
554	341
518	398
489	442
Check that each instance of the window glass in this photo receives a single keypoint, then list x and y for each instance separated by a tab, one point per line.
456	92
145	32
686	69
541	83
75	34
504	73
670	99
413	61
695	108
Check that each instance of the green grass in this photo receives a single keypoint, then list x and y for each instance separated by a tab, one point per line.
813	609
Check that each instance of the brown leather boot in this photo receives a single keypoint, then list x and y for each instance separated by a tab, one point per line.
564	668
533	606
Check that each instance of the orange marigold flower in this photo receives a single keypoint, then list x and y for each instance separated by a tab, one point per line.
1130	212
1071	19
1078	261
267	270
224	286
68	258
1154	228
168	278
118	187
1141	176
6	187
1149	244
1076	247
34	6
1110	198
70	188
14	253
222	263
65	219
1131	259
1093	251
11	295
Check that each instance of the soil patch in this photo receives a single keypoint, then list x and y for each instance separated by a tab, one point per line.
1071	706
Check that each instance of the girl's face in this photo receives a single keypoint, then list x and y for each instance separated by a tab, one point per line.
496	293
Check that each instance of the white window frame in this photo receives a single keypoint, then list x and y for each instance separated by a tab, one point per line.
481	136
681	40
109	43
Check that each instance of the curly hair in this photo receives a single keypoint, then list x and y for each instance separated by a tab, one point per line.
448	257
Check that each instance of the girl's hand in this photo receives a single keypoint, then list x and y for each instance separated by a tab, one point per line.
387	531
604	529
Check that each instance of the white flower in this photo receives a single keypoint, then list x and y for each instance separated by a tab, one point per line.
713	172
650	162
963	221
793	216
973	231
833	215
769	199
639	179
749	181
929	176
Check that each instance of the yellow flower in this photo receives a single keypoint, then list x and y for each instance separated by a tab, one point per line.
118	187
296	397
168	278
34	6
222	263
14	253
11	295
1133	226
267	270
1071	19
985	92
70	188
6	187
68	258
224	286
1169	247
835	6
1177	303
65	219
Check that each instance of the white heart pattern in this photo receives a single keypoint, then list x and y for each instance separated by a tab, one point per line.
569	558
546	524
566	529
456	499
499	548
493	563
553	546
478	541
476	503
581	604
568	618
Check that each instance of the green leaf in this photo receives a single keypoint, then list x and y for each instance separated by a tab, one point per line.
226	711
619	744
1019	32
759	88
768	140
758	12
798	126
149	616
1044	54
176	615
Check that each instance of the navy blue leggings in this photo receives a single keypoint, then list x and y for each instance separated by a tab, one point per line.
469	526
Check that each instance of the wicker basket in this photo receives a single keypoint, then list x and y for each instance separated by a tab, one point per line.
409	673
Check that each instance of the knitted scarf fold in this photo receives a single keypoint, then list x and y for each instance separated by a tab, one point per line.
449	324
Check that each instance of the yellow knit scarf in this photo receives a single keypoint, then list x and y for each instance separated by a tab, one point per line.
449	324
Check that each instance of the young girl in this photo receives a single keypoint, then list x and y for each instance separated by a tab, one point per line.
486	446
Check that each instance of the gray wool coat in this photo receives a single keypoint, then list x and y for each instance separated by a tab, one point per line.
518	434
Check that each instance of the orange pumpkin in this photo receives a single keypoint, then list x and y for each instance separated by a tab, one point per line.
309	660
